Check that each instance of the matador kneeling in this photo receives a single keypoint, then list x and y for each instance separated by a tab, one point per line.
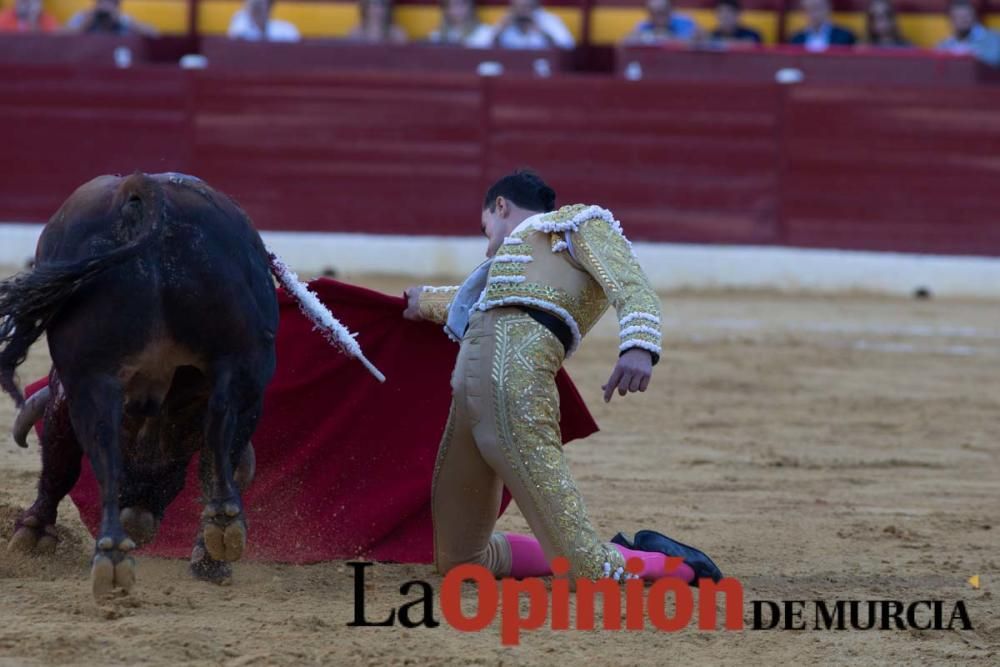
549	277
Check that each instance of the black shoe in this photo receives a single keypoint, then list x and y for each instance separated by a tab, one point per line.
697	560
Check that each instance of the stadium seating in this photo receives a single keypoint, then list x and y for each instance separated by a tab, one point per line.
923	22
612	20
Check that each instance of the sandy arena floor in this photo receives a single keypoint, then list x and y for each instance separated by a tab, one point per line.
818	448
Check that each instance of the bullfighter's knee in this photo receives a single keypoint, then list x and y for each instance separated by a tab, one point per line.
495	557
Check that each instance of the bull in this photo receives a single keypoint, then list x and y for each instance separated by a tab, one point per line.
155	293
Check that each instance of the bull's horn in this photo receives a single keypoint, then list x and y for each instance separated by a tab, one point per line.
30	412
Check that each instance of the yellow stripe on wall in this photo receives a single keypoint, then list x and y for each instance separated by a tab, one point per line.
167	16
925	29
920	29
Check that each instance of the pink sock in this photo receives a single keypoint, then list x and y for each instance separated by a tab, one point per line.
654	565
528	560
526	557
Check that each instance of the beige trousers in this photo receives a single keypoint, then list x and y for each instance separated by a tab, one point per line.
503	429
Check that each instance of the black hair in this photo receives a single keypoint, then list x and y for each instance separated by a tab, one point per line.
734	4
525	189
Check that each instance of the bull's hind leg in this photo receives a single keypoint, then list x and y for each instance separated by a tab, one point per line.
233	409
145	496
203	566
34	531
96	411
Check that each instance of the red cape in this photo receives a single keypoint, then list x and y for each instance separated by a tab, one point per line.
344	463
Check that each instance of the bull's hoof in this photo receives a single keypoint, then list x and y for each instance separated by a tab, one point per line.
32	537
140	524
106	576
224	531
205	568
112	568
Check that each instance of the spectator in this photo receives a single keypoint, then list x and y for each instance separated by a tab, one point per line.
663	25
377	25
27	16
881	25
106	17
970	36
461	26
253	22
820	33
527	26
727	12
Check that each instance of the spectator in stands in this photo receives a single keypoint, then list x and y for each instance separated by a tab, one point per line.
460	26
27	16
377	25
970	36
253	22
727	12
663	25
106	17
820	33
881	25
527	26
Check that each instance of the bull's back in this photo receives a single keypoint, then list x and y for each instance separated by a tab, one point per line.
212	262
199	287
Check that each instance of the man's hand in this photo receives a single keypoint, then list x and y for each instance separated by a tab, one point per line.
412	311
631	373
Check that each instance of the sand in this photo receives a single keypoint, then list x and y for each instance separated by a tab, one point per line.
820	448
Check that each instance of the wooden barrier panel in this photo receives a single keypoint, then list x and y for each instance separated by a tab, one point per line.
887	167
897	66
339	55
903	169
381	153
61	49
687	162
61	126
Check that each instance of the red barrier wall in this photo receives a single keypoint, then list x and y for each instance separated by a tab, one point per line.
848	166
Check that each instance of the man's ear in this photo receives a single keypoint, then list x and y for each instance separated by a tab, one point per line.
502	207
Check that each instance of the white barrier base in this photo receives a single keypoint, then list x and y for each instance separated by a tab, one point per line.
669	266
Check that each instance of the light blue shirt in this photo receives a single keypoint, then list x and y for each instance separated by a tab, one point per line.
466	297
982	43
681	27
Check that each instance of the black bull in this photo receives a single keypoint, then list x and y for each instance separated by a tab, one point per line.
156	296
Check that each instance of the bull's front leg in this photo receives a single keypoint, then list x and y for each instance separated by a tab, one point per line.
35	530
96	413
224	526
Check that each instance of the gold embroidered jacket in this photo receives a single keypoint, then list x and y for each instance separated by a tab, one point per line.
572	263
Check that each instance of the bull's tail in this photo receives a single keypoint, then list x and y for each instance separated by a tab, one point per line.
31	299
328	325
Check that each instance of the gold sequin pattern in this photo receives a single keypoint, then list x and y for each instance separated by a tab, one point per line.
566	213
586	308
526	403
433	305
616	277
605	254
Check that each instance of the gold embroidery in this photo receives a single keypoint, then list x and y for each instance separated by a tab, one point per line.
615	277
607	257
434	303
564	214
526	405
